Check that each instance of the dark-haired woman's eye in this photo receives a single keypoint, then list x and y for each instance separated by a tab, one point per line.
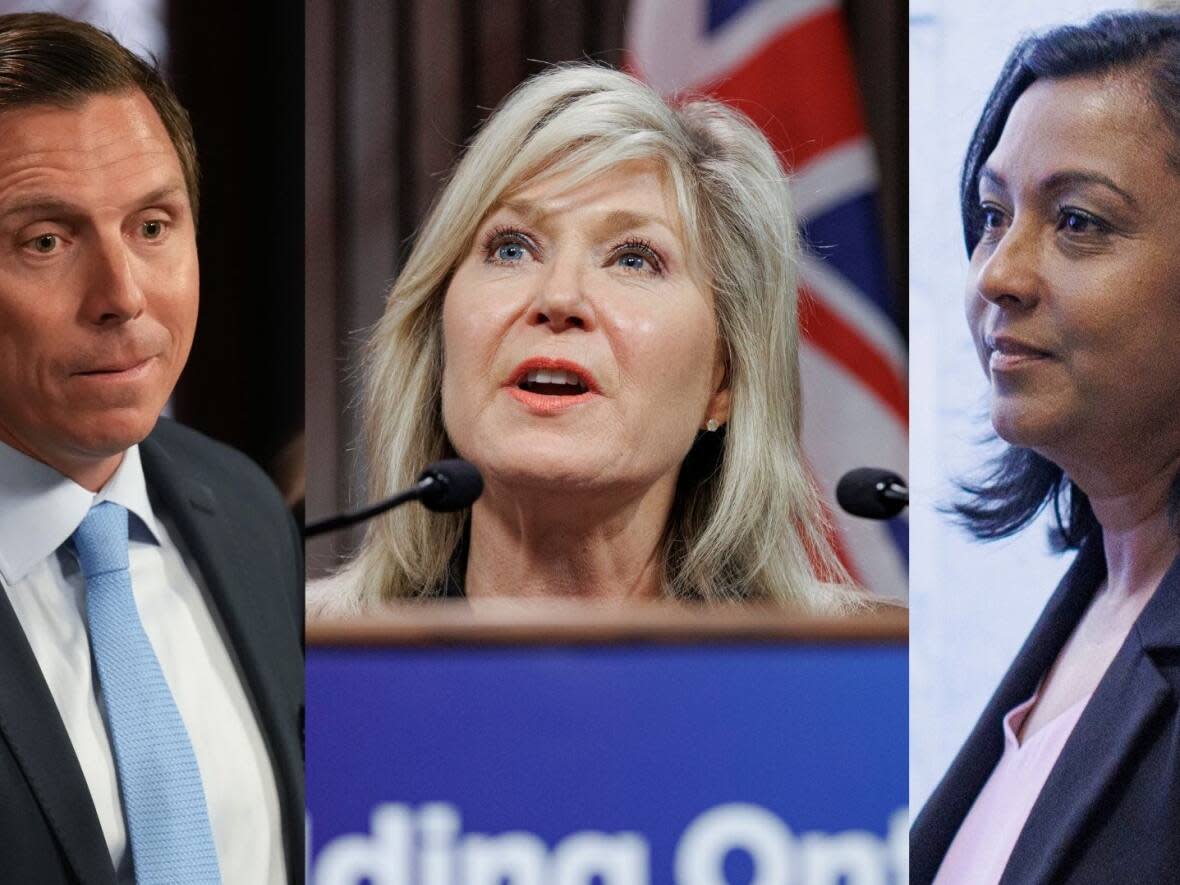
992	219
1080	223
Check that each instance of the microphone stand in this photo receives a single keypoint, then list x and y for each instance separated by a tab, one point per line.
343	520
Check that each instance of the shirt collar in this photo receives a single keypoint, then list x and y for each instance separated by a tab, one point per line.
40	508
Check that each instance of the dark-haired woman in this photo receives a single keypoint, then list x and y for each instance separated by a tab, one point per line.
1071	210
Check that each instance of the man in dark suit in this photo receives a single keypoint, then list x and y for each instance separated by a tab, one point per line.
151	678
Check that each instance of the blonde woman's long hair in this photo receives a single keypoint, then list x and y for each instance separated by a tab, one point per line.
746	522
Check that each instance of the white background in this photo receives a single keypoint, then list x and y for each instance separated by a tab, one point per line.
972	604
137	24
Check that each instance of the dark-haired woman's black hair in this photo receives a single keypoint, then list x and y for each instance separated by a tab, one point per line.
1020	482
1018	485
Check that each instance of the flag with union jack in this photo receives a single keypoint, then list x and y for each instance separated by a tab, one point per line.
786	64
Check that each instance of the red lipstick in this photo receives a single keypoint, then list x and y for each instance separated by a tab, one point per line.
547	385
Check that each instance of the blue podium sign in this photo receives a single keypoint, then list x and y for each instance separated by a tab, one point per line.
608	764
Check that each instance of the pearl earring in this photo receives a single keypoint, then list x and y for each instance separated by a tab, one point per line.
711	425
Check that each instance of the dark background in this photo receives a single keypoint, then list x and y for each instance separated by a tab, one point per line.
393	91
237	68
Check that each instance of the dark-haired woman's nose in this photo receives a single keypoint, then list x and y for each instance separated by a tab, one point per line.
1008	271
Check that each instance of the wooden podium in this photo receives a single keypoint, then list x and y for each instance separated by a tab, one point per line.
585	745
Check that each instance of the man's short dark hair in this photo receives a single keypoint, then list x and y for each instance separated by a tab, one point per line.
48	59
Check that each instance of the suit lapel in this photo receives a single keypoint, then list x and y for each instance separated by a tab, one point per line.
1131	696
943	813
32	727
222	551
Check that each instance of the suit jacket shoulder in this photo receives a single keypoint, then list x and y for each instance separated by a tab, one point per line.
1107	810
186	469
247	547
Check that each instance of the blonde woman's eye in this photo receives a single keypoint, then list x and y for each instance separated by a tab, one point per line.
637	256
508	246
509	252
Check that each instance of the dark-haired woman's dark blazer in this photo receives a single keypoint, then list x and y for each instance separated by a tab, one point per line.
1110	810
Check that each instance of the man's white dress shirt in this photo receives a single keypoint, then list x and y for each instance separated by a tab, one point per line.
39	511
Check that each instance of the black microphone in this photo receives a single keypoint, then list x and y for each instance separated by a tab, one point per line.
443	487
872	493
449	485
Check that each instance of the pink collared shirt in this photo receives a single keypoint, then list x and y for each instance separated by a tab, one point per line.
985	840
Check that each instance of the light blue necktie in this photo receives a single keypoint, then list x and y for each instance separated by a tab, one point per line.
160	784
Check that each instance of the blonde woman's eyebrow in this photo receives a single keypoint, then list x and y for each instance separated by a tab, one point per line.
620	220
530	213
614	221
